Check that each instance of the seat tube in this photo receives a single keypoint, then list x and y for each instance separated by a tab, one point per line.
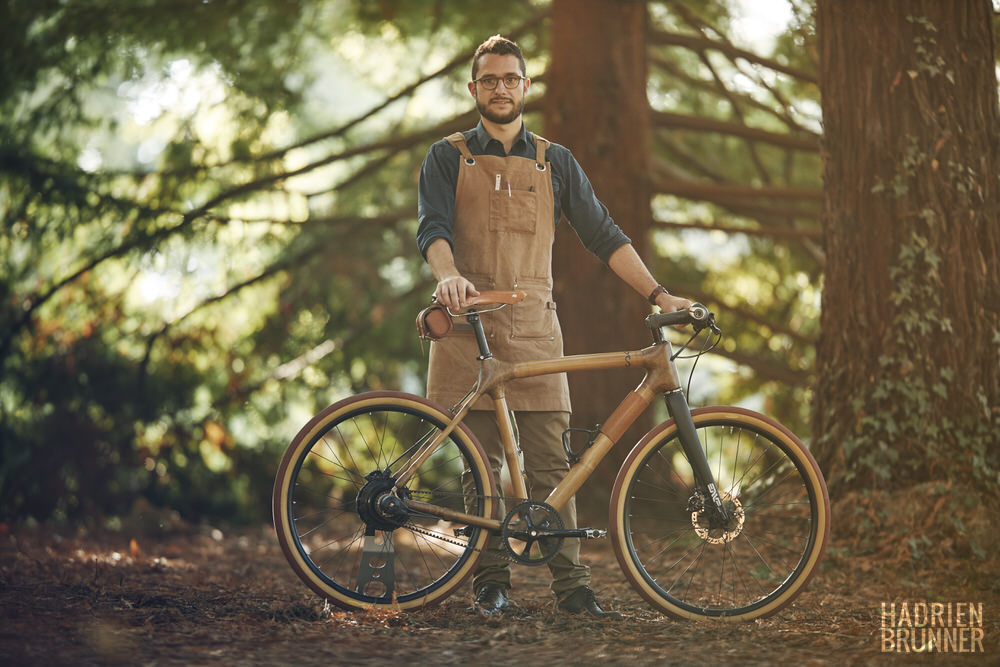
477	326
677	406
511	448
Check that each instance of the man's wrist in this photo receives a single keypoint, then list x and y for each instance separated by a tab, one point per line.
657	291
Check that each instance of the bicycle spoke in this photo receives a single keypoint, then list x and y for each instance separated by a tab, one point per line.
416	446
358	480
361	434
694	559
333	502
740	575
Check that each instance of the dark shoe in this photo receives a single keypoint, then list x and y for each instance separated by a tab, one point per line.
582	600
491	599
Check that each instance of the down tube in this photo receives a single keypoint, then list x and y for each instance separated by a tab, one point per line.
678	408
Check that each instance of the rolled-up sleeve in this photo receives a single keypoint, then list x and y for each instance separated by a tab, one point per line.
584	211
436	195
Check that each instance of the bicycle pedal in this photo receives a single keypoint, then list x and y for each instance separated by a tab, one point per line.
582	533
465	531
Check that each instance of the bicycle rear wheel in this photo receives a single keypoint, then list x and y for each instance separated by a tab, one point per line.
685	565
326	503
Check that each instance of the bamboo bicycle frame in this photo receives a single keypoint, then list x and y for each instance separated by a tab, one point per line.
661	378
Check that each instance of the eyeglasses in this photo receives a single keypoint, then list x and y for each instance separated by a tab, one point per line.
490	82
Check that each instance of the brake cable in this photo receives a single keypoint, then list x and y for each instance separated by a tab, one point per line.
714	333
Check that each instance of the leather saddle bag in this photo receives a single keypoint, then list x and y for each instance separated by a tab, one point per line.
433	322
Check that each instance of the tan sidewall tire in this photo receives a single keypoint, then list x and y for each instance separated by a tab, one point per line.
283	525
702	415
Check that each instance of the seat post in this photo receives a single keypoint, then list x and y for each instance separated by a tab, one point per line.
477	325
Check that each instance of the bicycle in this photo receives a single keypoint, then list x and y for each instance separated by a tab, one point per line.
387	500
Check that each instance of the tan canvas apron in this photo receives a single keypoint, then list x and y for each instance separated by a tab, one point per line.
502	237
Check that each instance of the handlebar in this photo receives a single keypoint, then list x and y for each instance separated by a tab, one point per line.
697	315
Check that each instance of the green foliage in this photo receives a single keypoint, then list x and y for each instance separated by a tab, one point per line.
904	403
764	287
208	218
104	393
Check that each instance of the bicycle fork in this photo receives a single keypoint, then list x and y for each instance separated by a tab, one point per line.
677	406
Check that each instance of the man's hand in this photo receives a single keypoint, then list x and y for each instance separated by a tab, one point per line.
669	303
455	292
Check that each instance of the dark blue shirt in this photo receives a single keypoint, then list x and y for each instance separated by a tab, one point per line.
573	194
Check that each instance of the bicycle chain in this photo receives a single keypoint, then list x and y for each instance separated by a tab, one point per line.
417	529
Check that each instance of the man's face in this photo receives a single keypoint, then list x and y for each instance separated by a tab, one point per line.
501	105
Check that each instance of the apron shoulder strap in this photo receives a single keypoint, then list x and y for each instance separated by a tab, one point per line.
458	141
541	143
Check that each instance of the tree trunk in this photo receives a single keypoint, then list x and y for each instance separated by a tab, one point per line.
909	356
597	107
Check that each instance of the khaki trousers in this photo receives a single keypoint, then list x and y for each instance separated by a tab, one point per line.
540	440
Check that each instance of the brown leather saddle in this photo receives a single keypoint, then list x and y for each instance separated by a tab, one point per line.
435	321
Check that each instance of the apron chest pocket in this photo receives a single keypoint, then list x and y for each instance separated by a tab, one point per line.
513	211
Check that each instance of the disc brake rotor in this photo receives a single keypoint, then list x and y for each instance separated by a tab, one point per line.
712	532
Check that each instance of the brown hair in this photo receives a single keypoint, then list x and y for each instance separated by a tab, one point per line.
500	46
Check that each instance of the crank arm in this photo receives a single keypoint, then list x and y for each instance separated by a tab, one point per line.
585	533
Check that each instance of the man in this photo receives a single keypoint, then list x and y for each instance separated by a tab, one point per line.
489	200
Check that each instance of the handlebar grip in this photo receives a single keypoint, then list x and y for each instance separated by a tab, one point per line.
696	314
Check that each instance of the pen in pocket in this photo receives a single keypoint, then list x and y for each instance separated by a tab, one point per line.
497	183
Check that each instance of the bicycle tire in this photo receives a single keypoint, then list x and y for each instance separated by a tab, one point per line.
760	562
323	495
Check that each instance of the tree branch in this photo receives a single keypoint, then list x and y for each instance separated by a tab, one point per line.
678	149
702	43
746	201
676	121
395	144
296	259
373	166
339	131
292	368
462	58
36	300
350	220
737	111
727	192
766	369
748	315
766	232
672	70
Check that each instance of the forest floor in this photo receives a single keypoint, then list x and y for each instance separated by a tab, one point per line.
200	596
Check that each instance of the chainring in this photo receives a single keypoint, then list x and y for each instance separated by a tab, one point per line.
524	533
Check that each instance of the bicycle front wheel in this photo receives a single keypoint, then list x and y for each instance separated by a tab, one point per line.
689	566
329	511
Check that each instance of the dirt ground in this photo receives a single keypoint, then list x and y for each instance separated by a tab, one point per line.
202	596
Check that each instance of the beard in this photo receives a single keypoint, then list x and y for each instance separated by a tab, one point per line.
501	118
